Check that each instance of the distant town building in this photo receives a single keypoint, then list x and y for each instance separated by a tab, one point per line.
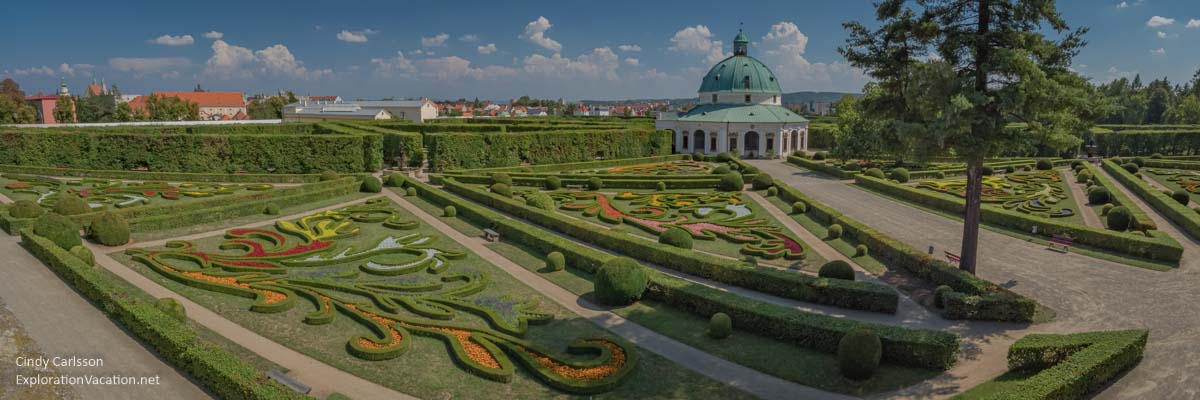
45	104
327	99
214	106
739	112
305	111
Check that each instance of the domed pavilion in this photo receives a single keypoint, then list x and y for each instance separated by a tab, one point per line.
740	112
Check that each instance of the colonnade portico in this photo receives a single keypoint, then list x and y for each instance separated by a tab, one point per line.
748	144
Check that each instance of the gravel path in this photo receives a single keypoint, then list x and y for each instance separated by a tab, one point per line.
1081	202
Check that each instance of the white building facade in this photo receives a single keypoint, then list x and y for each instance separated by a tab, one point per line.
740	112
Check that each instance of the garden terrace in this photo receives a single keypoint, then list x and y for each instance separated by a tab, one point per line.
1117	197
1186	218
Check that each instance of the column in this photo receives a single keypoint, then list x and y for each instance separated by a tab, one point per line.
722	141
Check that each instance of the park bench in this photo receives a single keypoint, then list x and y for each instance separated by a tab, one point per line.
285	380
952	258
491	235
1061	243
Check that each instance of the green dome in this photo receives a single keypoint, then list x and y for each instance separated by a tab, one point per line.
740	73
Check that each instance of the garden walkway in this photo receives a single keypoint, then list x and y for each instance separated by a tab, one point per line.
1081	201
1087	293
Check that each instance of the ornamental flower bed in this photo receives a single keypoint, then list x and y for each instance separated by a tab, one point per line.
1036	193
103	194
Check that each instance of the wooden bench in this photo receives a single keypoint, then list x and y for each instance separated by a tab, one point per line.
491	235
952	258
285	380
1061	243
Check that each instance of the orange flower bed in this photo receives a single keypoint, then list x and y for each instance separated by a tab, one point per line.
475	351
387	323
271	297
591	373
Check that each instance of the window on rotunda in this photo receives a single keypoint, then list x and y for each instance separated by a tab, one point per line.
714	98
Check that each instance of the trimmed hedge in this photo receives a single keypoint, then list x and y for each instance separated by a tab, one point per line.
1117	197
903	346
855	295
220	372
25	209
1074	366
160	176
572	166
453	150
69	204
1179	214
58	229
1159	247
820	166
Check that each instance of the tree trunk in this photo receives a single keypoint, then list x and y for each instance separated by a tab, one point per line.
971	217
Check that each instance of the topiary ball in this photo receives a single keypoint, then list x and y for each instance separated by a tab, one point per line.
329	176
939	175
988	170
540	200
899	175
859	352
411	191
660	186
1083	177
799	207
109	229
1076	165
720	326
271	209
874	173
1044	164
59	229
772	191
1141	162
501	189
820	155
1107	207
619	281
1119	218
836	269
762	181
861	250
394	180
724	156
1099	195
25	209
555	261
171	307
69	204
751	170
595	183
450	211
1131	167
835	231
500	177
84	254
1156	156
1182	197
721	170
371	184
1010	169
939	295
553	183
676	237
731	182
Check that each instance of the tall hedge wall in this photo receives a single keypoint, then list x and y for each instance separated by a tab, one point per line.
482	150
1139	140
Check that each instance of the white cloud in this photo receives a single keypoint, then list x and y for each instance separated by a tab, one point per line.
1159	51
783	51
228	60
438	40
395	66
1126	4
600	63
1157	21
236	61
698	40
154	65
420	52
42	70
489	49
629	48
168	40
535	32
1193	24
214	35
468	38
1123	4
632	62
279	60
453	68
1164	35
352	37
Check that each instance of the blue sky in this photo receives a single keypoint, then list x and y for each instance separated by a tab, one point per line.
500	50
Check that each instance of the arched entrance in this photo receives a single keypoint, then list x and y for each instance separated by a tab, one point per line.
698	142
751	141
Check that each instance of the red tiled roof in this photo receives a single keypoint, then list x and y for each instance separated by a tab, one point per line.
322	98
209	99
138	103
93	89
241	116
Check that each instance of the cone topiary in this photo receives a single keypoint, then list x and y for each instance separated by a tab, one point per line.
859	352
676	237
555	261
720	326
731	182
799	207
500	177
837	269
449	211
69	204
835	231
84	254
619	281
59	229
25	209
1119	218
371	184
109	229
329	176
553	183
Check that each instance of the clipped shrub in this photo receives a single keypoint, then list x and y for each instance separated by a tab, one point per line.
861	250
1043	164
1182	197
731	182
850	166
836	269
172	308
1076	165
939	175
660	186
1196	209
410	192
25	209
799	207
772	191
1141	162
271	209
1166	192
720	326
676	237
1119	218
859	352
874	173
751	170
84	254
1156	156
1107	207
449	211
899	175
540	200
988	170
1083	177
939	295
59	229
1099	195
69	204
835	231
820	155
1131	167
721	170
394	180
553	182
1118	160
724	157
501	189
109	229
329	176
619	281
762	181
556	261
595	183
371	184
1010	169
500	177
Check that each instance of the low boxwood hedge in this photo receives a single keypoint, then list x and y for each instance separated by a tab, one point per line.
822	167
160	176
1181	215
